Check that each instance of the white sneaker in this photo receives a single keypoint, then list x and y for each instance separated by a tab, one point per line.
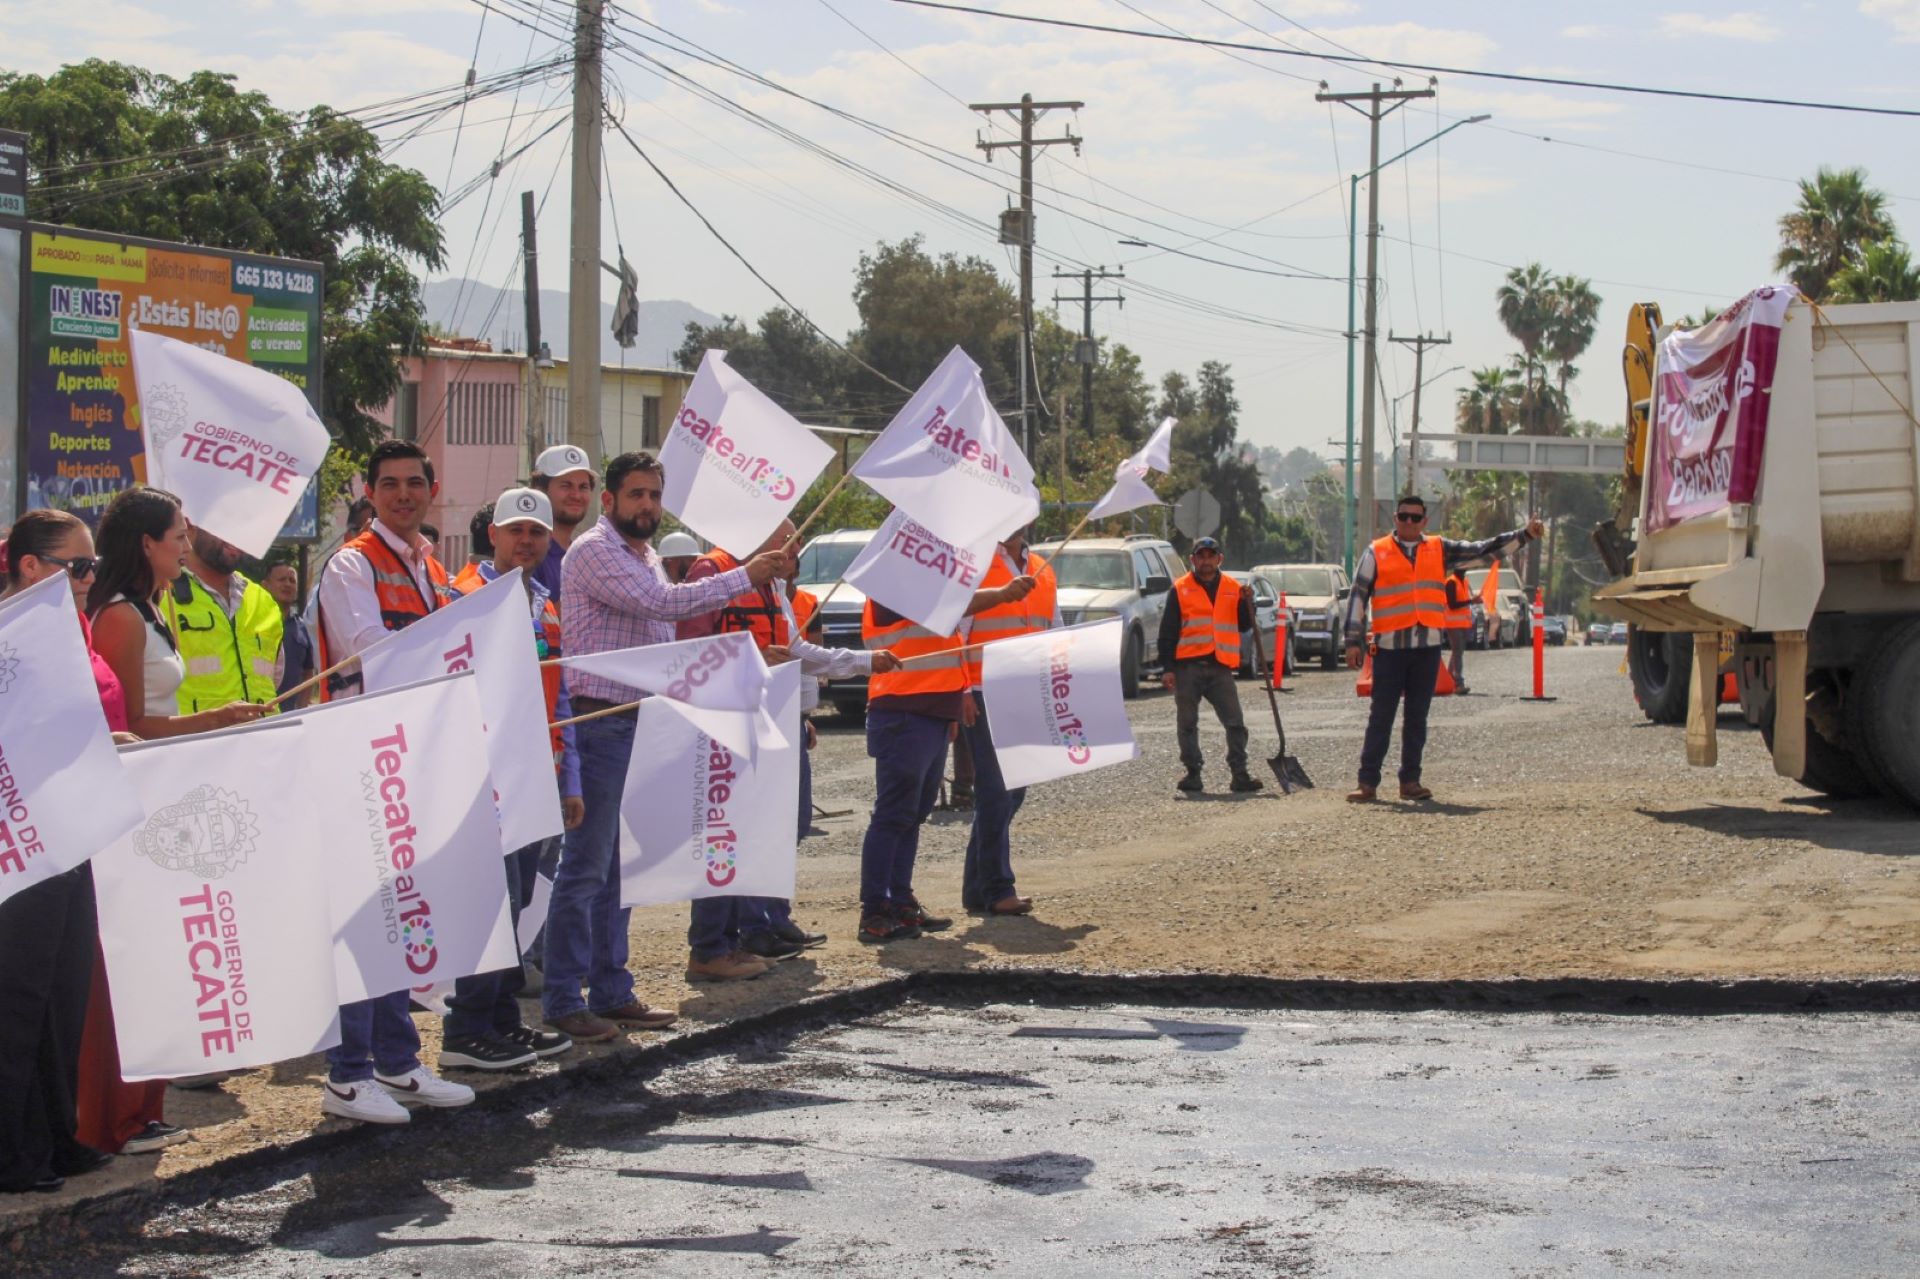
421	1087
361	1101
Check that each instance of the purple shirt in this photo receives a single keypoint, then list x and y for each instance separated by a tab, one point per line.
548	574
615	597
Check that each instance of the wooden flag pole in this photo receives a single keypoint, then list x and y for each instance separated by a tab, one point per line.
307	684
604	711
818	509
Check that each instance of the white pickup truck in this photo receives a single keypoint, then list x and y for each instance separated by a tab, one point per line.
1818	576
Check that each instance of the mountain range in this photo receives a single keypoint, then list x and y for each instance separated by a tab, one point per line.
470	308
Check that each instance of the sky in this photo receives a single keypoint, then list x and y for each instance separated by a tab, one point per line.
1219	154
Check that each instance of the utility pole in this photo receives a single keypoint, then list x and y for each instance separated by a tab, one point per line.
1084	354
583	249
536	403
1419	345
1028	113
1378	105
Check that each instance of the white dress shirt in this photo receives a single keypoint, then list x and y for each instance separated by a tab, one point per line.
347	604
818	661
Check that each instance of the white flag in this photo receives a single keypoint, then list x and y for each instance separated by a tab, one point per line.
950	462
1053	703
918	575
63	796
417	888
736	462
235	443
700	820
212	913
1130	489
716	681
489	632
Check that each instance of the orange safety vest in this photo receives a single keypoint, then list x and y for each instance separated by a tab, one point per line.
753	610
1459	603
1209	627
398	592
1016	617
907	638
805	605
1405	594
471	580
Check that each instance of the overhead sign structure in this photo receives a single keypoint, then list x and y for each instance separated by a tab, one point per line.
82	296
1197	513
1541	454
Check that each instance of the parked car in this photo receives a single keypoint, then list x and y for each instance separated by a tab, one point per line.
1599	632
1515	612
1555	628
1125	577
1316	595
1477	637
822	560
1621	633
1266	626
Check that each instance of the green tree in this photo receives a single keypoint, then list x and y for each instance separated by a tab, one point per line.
914	308
1885	272
1525	302
785	357
1571	324
117	148
1837	216
1486	406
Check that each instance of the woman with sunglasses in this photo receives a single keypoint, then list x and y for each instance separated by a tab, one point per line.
143	549
49	940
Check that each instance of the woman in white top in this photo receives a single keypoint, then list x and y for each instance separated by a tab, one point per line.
142	545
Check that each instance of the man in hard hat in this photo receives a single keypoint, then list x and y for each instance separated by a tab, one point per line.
565	474
1403	577
1201	630
677	552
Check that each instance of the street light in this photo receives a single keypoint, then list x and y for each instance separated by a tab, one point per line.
1353	238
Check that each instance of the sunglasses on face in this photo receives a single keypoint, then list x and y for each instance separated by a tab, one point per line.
1410	517
77	566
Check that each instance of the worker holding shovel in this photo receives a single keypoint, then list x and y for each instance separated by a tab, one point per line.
1201	629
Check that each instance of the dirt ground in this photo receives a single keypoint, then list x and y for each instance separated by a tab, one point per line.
1569	838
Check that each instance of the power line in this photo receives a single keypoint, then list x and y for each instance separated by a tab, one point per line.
1429	68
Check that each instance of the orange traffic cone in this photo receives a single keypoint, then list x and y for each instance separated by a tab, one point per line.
1365	687
1444	686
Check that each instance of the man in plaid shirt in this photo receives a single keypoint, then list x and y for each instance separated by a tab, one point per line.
1403	577
613	595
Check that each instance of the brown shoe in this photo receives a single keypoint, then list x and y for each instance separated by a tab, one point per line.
584	1028
1362	794
1414	791
1013	904
739	966
637	1016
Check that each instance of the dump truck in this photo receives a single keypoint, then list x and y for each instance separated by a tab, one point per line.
1803	591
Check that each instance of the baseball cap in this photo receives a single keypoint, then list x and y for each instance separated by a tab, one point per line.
523	504
676	544
562	459
1205	544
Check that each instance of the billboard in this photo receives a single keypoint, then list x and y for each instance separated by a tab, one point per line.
81	294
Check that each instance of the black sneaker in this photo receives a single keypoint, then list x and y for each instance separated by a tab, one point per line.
789	931
913	914
767	946
1245	783
1191	782
485	1052
879	927
155	1136
541	1043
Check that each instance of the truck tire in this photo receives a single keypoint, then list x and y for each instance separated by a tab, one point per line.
1885	698
1659	663
1832	769
1130	663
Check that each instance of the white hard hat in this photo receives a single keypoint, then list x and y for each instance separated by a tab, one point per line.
516	505
677	544
562	459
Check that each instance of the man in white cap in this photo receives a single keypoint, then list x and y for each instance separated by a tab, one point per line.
483	1030
677	553
565	474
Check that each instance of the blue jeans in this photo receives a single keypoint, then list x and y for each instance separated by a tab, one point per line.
987	876
907	751
806	790
488	1003
375	1034
1399	673
716	924
586	928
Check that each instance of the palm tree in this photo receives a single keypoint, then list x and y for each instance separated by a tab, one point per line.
1884	273
1570	329
1526	309
1485	407
1838	215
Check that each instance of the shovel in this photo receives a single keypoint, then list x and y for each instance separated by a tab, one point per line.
1286	768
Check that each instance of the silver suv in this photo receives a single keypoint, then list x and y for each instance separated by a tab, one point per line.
822	561
1124	577
1317	597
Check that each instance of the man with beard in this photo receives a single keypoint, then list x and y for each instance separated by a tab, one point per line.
565	474
229	628
614	595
